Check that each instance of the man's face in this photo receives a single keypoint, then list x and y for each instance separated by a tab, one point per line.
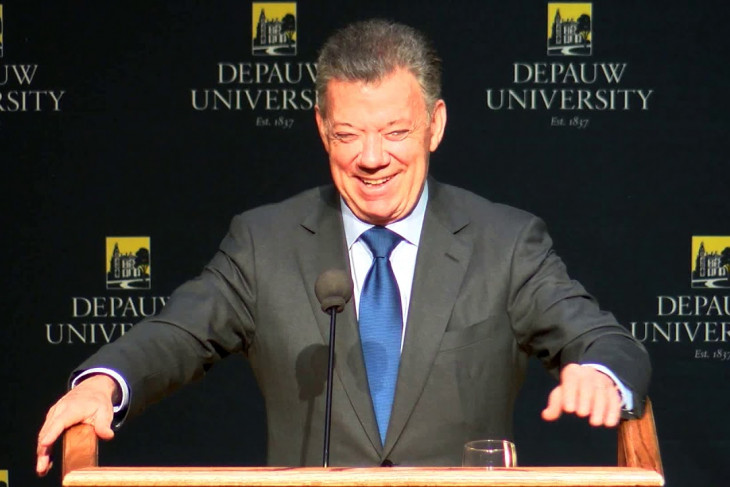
379	137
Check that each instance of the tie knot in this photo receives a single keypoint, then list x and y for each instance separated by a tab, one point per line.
381	241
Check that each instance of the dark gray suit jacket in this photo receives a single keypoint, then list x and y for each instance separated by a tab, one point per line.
488	292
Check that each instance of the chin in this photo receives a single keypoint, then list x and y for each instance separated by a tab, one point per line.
381	219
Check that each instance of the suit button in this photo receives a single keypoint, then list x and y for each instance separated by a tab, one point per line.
387	463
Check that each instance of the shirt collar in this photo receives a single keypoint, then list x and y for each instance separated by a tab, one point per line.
409	227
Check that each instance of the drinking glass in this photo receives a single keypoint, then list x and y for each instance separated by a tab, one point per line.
489	454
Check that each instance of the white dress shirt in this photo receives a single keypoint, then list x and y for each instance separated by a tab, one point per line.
402	259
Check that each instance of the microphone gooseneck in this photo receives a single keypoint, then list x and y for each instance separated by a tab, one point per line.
333	289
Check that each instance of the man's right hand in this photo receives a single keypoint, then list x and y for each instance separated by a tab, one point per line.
90	402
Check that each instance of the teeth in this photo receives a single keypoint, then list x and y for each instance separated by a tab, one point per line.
375	182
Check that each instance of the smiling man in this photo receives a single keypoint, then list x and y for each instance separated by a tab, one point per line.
379	135
453	293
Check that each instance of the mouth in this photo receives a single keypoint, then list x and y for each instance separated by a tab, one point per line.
375	182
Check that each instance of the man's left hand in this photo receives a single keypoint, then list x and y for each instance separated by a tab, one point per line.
586	392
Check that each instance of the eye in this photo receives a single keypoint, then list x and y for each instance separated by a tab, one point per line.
344	137
397	135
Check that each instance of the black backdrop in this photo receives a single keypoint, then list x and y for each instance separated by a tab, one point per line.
123	152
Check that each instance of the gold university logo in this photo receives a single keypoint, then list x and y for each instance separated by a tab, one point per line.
570	29
128	263
274	28
710	262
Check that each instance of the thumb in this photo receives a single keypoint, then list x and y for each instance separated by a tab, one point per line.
102	424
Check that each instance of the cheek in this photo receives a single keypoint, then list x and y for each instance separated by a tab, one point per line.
336	165
411	157
340	172
342	158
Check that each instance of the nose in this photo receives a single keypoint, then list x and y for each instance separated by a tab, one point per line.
373	155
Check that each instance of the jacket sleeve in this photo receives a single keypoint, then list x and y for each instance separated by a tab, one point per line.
555	319
204	320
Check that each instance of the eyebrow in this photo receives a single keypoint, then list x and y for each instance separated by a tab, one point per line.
389	124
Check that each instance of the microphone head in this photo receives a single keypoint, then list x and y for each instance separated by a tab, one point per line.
333	289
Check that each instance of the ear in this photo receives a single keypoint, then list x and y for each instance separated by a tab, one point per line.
438	124
322	128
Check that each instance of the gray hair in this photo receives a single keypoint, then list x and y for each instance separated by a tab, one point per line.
370	50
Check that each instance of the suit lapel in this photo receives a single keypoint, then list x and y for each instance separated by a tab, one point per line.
440	267
324	247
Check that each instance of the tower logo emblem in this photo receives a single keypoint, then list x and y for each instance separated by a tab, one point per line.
710	262
570	29
274	28
128	263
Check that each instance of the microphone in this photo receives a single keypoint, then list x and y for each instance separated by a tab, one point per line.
333	289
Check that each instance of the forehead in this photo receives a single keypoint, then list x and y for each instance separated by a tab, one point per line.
396	94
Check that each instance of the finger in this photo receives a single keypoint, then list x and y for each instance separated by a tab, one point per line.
46	438
42	465
568	379
586	395
50	434
44	461
613	415
47	424
59	419
601	405
554	407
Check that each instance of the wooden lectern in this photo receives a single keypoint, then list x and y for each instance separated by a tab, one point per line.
639	464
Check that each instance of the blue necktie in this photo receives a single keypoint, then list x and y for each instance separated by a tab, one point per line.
381	324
